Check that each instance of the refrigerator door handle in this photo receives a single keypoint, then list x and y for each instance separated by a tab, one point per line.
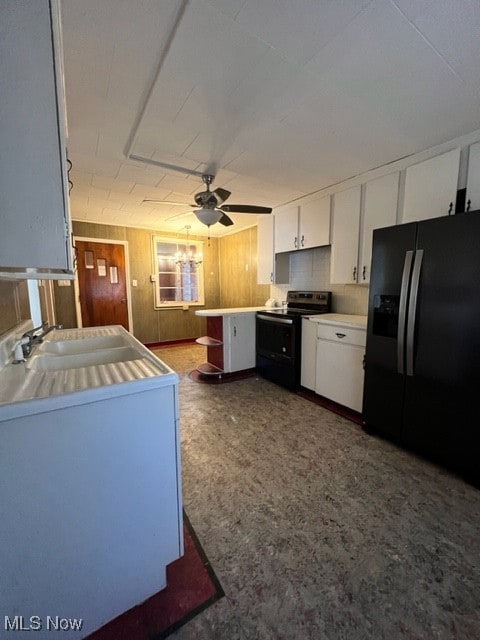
402	312
412	310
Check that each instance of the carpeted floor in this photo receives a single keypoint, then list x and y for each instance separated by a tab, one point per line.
317	530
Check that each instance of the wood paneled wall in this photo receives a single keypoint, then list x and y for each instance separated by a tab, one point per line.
230	273
238	271
14	305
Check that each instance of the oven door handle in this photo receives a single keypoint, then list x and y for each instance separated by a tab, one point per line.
273	319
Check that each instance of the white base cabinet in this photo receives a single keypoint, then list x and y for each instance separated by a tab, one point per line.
239	342
339	364
230	342
309	354
91	507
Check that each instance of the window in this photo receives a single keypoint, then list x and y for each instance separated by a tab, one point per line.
179	272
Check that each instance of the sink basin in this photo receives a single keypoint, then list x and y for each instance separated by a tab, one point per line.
51	362
82	345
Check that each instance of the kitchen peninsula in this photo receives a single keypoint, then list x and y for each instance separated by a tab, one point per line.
230	340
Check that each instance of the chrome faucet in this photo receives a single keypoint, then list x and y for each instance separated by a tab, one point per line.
23	347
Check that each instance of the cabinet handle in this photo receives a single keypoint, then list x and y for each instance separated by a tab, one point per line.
355	274
295	242
235	332
364	272
340	335
303	241
271	276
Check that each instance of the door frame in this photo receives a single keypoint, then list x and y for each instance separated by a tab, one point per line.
76	286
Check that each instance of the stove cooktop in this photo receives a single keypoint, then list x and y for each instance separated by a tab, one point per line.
304	303
292	311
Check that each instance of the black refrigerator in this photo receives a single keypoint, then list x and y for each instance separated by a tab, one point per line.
422	362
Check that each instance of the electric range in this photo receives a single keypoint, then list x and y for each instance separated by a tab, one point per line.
279	336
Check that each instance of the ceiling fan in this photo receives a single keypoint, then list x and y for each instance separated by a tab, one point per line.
211	208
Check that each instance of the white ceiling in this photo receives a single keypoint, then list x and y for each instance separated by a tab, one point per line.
278	98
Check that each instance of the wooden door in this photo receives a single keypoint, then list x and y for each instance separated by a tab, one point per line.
102	283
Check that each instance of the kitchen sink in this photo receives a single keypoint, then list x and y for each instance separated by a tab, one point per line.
52	362
82	345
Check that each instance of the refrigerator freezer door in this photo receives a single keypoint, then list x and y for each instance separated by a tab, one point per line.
384	385
441	398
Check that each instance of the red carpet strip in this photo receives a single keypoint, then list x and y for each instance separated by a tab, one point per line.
192	586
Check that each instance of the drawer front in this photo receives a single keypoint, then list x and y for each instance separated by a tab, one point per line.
339	333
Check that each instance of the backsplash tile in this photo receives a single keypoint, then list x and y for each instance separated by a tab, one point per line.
310	270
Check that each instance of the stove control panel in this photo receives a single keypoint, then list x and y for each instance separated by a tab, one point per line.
306	298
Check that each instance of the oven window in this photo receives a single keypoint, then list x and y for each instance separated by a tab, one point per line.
277	340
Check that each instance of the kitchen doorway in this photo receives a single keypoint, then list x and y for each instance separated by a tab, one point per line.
102	291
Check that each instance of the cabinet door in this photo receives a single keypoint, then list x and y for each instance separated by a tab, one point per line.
473	181
35	216
431	187
309	353
239	349
339	373
345	230
315	223
381	197
286	230
265	255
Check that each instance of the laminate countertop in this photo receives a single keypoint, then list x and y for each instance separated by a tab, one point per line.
228	312
352	320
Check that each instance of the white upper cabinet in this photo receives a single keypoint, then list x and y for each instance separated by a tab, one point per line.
286	229
473	181
380	210
35	217
303	227
345	233
265	253
314	223
431	187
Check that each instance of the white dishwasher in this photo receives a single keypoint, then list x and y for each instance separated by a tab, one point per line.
339	362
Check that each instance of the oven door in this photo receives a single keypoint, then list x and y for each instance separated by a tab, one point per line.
275	337
278	349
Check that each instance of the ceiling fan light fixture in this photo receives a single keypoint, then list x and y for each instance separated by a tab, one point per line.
208	216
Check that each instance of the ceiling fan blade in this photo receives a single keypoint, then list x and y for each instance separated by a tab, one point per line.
245	208
179	215
221	195
225	220
182	204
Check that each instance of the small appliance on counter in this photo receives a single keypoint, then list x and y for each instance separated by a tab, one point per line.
279	335
272	302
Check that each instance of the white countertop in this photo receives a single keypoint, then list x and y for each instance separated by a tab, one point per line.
229	312
350	320
25	391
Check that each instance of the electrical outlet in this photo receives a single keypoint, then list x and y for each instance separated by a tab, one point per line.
134	283
185	307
